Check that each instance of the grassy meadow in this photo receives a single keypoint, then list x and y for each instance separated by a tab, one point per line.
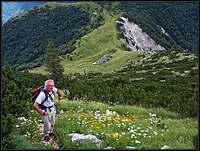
117	126
123	126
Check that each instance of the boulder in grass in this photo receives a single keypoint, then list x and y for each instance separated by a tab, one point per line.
165	147
80	138
104	59
92	138
130	147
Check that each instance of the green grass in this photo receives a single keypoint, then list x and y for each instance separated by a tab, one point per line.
128	126
41	70
18	141
24	135
93	46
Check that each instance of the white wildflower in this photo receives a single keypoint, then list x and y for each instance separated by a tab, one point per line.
132	135
131	131
155	133
153	115
138	142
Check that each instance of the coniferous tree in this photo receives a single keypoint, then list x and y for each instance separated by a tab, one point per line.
53	65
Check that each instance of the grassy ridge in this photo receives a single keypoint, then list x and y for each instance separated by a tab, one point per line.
93	46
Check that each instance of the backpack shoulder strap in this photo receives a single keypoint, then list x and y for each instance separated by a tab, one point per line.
46	96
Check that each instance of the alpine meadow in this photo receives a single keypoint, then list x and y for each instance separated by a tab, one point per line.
128	71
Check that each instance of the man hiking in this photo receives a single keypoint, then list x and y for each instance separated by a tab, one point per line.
47	108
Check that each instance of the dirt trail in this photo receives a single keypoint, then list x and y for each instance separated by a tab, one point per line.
54	142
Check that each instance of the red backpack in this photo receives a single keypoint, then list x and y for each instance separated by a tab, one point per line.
36	92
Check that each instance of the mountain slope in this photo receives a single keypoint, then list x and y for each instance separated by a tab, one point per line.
179	20
91	47
25	37
24	43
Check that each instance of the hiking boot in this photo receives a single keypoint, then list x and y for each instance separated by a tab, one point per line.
51	134
46	138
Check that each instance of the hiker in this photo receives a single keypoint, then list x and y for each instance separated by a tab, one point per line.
48	110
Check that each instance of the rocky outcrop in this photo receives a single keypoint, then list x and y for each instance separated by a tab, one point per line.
135	39
104	59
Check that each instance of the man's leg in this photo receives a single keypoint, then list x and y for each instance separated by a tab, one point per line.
47	125
52	121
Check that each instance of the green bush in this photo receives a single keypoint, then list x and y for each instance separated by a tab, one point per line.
8	123
170	95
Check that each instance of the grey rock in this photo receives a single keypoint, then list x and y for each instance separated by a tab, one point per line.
165	147
135	38
80	138
104	59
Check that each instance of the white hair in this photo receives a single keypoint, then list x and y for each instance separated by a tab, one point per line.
47	82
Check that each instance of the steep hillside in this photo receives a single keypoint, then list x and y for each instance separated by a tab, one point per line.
92	47
171	24
25	37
